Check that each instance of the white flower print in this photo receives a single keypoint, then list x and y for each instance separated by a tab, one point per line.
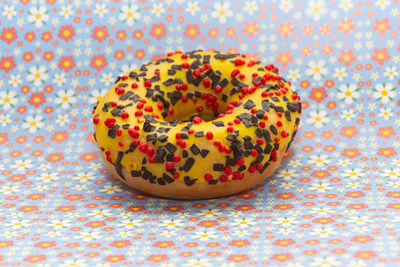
73	263
65	98
385	113
59	224
316	69
129	14
15	80
111	189
18	223
382	4
9	12
38	16
99	213
319	160
205	235
348	114
285	221
100	10
158	9
294	75
8	189
316	9
59	78
250	7
96	95
5	119
346	5
340	73
353	173
221	11
172	223
209	213
38	75
286	5
62	119
318	118
199	262
33	123
88	235
243	222
325	261
48	176
192	8
130	224
84	176
8	99
391	73
385	92
320	187
323	231
287	174
391	173
107	78
66	12
348	93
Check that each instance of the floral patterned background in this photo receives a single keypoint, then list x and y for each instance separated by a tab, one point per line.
334	201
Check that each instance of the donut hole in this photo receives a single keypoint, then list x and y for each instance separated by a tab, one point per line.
207	116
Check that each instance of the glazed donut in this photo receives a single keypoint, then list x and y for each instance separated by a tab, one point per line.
196	125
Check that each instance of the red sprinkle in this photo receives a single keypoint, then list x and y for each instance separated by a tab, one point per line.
124	77
134	85
254	152
124	115
277	139
118	132
160	106
119	90
229	129
197	73
143	147
170	165
185	65
236	121
138	113
150	151
178	135
279	123
260	141
184	56
209	135
96	120
217	143
235	73
223	178
227	170
177	158
284	134
133	133
196	120
190	131
176	175
114	104
251	63
261	124
206	83
208	177
147	84
218	89
199	109
120	143
148	108
279	114
240	161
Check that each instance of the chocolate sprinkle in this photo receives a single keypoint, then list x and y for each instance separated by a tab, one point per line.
199	134
273	129
195	149
287	115
135	173
249	104
168	178
126	95
118	166
170	147
188	164
163	138
189	181
218	123
292	106
204	152
218	167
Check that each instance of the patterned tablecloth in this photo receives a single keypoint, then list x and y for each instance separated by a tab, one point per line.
335	200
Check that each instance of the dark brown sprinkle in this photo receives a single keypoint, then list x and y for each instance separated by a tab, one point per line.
189	76
279	109
285	98
218	123
176	67
170	147
188	164
174	96
197	81
213	182
265	105
275	99
143	68
292	106
245	119
246	153
164	114
236	149
170	157
142	74
94	136
163	138
242	168
260	114
147	127
206	59
287	115
178	81
160	129
248	145
135	98
118	79
149	118
152	179
259	133
218	167
131	148
171	72
224	97
260	69
168	178
106	106
149	92
258	148
195	149
300	106
224	83
151	138
267	136
168	82
249	104
189	181
116	112
173	122
225	56
195	64
133	74
276	146
185	136
189	95
256	79
268	149
155	78
118	166
126	95
185	153
230	162
122	85
146	173
273	129
197	94
266	164
231	137
135	173
112	131
259	159
161	181
204	152
160	154
144	161
199	134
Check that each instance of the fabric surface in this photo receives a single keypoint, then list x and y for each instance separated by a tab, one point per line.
333	202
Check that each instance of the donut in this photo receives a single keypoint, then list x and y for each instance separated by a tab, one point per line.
196	125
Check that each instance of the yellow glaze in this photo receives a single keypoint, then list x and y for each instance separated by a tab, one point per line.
184	111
